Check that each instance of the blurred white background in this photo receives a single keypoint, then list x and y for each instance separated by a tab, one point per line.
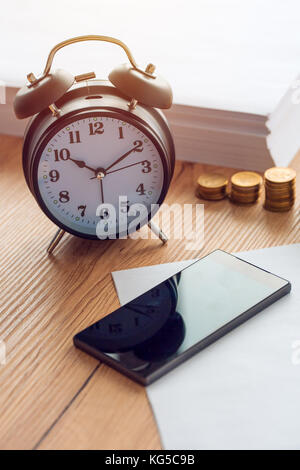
227	54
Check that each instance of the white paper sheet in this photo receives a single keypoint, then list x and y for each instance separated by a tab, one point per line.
242	392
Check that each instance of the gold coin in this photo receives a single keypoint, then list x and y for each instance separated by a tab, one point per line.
236	201
272	196
279	192
212	180
212	190
287	202
245	191
246	179
277	209
286	184
280	188
240	201
280	175
280	203
211	197
244	199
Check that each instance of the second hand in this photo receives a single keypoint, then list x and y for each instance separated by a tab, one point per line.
118	169
100	177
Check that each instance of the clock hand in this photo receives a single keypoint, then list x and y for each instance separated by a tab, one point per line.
100	177
81	164
127	166
102	192
123	167
125	155
138	311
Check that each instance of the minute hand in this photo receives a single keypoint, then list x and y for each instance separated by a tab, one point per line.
122	168
123	156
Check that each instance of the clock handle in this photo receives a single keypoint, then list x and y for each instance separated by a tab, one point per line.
93	37
137	84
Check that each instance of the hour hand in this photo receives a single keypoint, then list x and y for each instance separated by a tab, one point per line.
81	164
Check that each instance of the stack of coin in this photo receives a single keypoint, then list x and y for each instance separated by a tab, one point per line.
212	186
280	189
245	187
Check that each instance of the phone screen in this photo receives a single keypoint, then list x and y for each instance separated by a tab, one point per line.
163	326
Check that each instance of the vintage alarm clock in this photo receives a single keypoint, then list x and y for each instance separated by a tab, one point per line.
92	143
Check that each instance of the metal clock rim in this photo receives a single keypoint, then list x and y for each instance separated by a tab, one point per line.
52	130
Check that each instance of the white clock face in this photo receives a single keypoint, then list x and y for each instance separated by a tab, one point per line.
93	161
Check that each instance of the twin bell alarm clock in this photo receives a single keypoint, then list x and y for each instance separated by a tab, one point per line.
95	151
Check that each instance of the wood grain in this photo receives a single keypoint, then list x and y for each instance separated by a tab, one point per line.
52	395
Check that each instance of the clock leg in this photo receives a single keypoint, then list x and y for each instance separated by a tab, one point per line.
60	233
55	240
158	232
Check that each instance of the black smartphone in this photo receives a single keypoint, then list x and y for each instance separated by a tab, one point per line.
171	322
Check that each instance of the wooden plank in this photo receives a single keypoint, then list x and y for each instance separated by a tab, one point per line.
52	395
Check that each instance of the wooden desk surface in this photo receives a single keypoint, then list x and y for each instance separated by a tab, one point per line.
53	396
